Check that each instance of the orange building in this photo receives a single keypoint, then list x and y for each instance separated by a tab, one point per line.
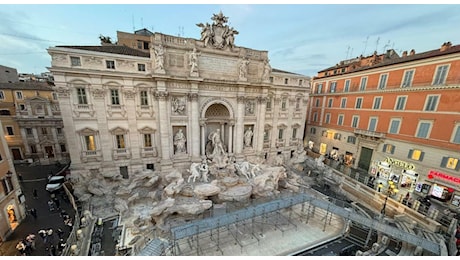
394	117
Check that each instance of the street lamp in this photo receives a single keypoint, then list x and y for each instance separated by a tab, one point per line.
390	191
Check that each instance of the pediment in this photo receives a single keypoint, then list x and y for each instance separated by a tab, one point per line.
146	130
87	131
118	131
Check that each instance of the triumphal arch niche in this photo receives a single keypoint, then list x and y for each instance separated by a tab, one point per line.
217	124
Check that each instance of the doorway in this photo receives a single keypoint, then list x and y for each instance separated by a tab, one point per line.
364	162
49	151
16	153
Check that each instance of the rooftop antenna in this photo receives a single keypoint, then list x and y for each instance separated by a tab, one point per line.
348	51
142	23
181	31
365	45
134	28
386	46
377	43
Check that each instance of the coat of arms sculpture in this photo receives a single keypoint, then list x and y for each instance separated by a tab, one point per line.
218	34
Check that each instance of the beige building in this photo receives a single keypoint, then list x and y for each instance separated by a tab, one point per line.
12	201
124	109
32	122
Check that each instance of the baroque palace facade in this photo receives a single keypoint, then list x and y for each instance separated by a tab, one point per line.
396	118
126	105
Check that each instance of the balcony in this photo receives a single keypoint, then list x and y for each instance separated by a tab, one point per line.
91	156
366	134
149	152
121	153
83	109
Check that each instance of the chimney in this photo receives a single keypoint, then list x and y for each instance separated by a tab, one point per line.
445	46
412	52
404	54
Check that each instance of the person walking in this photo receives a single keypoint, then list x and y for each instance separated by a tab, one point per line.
35	193
33	212
60	233
57	203
21	247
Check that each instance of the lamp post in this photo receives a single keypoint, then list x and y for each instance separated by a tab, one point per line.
390	191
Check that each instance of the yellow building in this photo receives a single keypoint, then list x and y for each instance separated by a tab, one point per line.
32	122
12	201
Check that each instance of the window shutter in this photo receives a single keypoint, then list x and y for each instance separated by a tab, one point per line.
421	156
385	147
410	153
392	149
458	166
444	162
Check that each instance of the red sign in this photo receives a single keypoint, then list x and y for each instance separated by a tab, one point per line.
444	176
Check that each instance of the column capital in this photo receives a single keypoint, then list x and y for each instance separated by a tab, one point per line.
240	99
202	121
161	95
193	96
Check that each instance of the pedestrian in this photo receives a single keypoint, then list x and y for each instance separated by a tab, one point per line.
35	194
42	234
68	222
61	245
52	250
21	247
20	177
51	205
57	203
60	233
33	212
31	238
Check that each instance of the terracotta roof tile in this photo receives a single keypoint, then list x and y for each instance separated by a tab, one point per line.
116	49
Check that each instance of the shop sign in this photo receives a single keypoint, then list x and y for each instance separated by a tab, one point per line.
432	174
399	163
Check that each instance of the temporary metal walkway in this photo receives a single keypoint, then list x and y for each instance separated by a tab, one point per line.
307	202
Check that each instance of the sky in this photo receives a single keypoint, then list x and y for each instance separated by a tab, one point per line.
299	38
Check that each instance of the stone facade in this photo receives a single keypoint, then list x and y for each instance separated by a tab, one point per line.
123	107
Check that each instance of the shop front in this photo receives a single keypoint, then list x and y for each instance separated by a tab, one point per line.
401	173
441	186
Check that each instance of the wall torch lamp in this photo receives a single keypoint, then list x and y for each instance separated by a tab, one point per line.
390	191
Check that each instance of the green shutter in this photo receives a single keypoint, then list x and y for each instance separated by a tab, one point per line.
444	162
421	156
393	149
384	148
410	154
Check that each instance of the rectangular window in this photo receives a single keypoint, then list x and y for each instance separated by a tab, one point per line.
266	138
319	88
346	88
400	103
2	95
269	104
383	81
389	148
147	140
55	97
9	130
415	155
141	67
351	139
394	126
283	104
363	84
115	97
75	61
22	107
44	131
355	121
144	98
33	149
441	74
329	102
343	103
59	131
359	102
313	130
63	148
337	136
333	86
407	79
280	134
456	137
372	124
120	141
110	64
315	117
317	102
450	163
423	130
377	102
431	103
29	131
286	81
340	120
18	94
328	118
90	143
294	133
300	82
81	95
